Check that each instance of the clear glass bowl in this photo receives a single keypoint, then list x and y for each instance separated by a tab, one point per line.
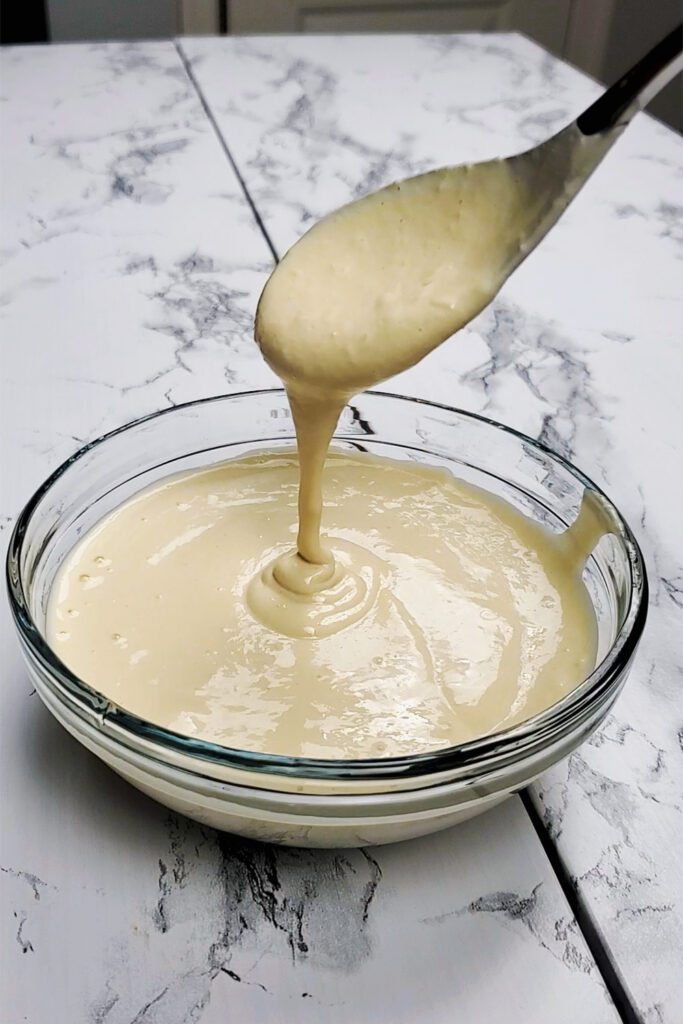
314	801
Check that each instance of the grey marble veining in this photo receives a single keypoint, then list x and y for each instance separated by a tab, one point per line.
125	288
131	267
582	349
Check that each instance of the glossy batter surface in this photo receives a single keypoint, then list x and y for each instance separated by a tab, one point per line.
452	616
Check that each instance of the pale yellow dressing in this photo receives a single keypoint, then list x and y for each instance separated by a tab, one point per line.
454	615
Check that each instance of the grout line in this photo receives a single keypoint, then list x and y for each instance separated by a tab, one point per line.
594	942
224	146
599	951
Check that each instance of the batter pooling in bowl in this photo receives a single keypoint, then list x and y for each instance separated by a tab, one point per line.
454	615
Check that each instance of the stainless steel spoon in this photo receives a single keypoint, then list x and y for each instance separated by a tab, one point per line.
376	285
550	175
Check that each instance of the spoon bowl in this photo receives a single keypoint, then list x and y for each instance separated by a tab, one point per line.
376	285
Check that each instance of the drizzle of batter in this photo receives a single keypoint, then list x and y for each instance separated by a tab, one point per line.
368	292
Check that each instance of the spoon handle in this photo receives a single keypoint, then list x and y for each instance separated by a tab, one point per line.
636	88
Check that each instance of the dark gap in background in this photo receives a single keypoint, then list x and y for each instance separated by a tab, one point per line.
23	21
595	943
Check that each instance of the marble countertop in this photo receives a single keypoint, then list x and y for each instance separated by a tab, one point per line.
146	190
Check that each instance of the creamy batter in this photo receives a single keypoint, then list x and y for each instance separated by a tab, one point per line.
450	615
378	284
373	288
429	614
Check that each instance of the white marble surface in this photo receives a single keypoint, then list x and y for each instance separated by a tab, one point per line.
584	349
131	265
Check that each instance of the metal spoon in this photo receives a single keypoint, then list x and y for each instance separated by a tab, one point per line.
550	175
376	285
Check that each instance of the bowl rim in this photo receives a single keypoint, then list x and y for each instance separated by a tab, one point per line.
513	742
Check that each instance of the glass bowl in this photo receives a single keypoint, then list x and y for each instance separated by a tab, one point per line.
318	802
